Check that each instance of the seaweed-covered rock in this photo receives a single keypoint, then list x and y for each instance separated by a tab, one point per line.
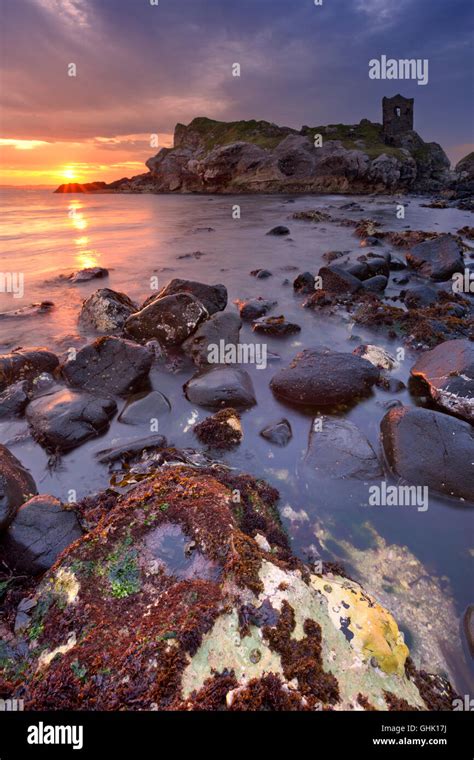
430	449
16	486
184	597
276	326
167	319
25	364
109	365
219	386
222	326
222	430
40	531
65	419
448	370
437	259
338	449
320	377
106	311
212	297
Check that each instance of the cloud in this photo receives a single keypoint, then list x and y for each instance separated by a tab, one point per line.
72	12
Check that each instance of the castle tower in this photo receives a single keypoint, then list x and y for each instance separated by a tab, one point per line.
397	116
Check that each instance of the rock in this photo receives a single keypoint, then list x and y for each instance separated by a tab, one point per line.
275	326
91	273
377	356
397	264
448	371
420	296
27	312
279	433
378	265
14	399
331	256
168	319
106	311
223	326
376	284
131	449
430	449
369	242
468	628
222	430
338	449
320	377
25	364
108	366
142	408
254	308
212	297
338	280
279	230
437	259
41	530
304	283
359	269
173	602
63	420
221	386
16	486
261	274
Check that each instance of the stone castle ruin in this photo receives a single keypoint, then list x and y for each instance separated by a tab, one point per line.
397	116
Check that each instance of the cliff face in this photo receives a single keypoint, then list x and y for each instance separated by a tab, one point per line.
250	156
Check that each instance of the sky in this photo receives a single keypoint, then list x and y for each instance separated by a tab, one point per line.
141	68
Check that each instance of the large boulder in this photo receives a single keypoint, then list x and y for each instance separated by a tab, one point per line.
223	326
448	370
213	297
106	311
109	365
16	486
168	319
428	448
220	386
41	530
437	259
338	449
25	364
337	280
14	399
181	599
320	377
65	419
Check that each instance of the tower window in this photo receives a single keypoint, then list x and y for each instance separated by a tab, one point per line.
397	112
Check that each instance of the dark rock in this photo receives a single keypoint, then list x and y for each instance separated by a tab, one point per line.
261	274
359	269
212	297
220	431
331	256
397	264
376	284
276	326
221	386
41	530
63	420
338	280
223	326
91	273
448	370
304	283
279	230
131	449
142	408
106	311
338	449
369	242
378	265
279	433
25	364
109	365
468	628
430	449
14	399
254	308
16	486
437	259
320	377
420	295
27	312
169	319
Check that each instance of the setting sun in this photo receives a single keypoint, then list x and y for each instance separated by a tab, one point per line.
69	174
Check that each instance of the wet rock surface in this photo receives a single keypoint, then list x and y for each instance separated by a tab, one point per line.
63	420
106	311
16	486
221	386
279	433
90	273
430	449
254	308
14	399
338	280
223	326
213	297
276	326
25	364
169	319
320	377
143	408
41	530
109	365
338	449
437	259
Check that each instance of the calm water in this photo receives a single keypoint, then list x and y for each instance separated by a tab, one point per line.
140	237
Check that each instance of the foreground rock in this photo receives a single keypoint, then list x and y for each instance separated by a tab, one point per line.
16	486
221	431
221	386
212	297
377	356
437	259
338	449
106	311
428	448
204	342
108	366
14	399
65	419
182	599
278	327
279	433
88	274
253	308
41	530
448	370
168	319
25	364
320	377
144	407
